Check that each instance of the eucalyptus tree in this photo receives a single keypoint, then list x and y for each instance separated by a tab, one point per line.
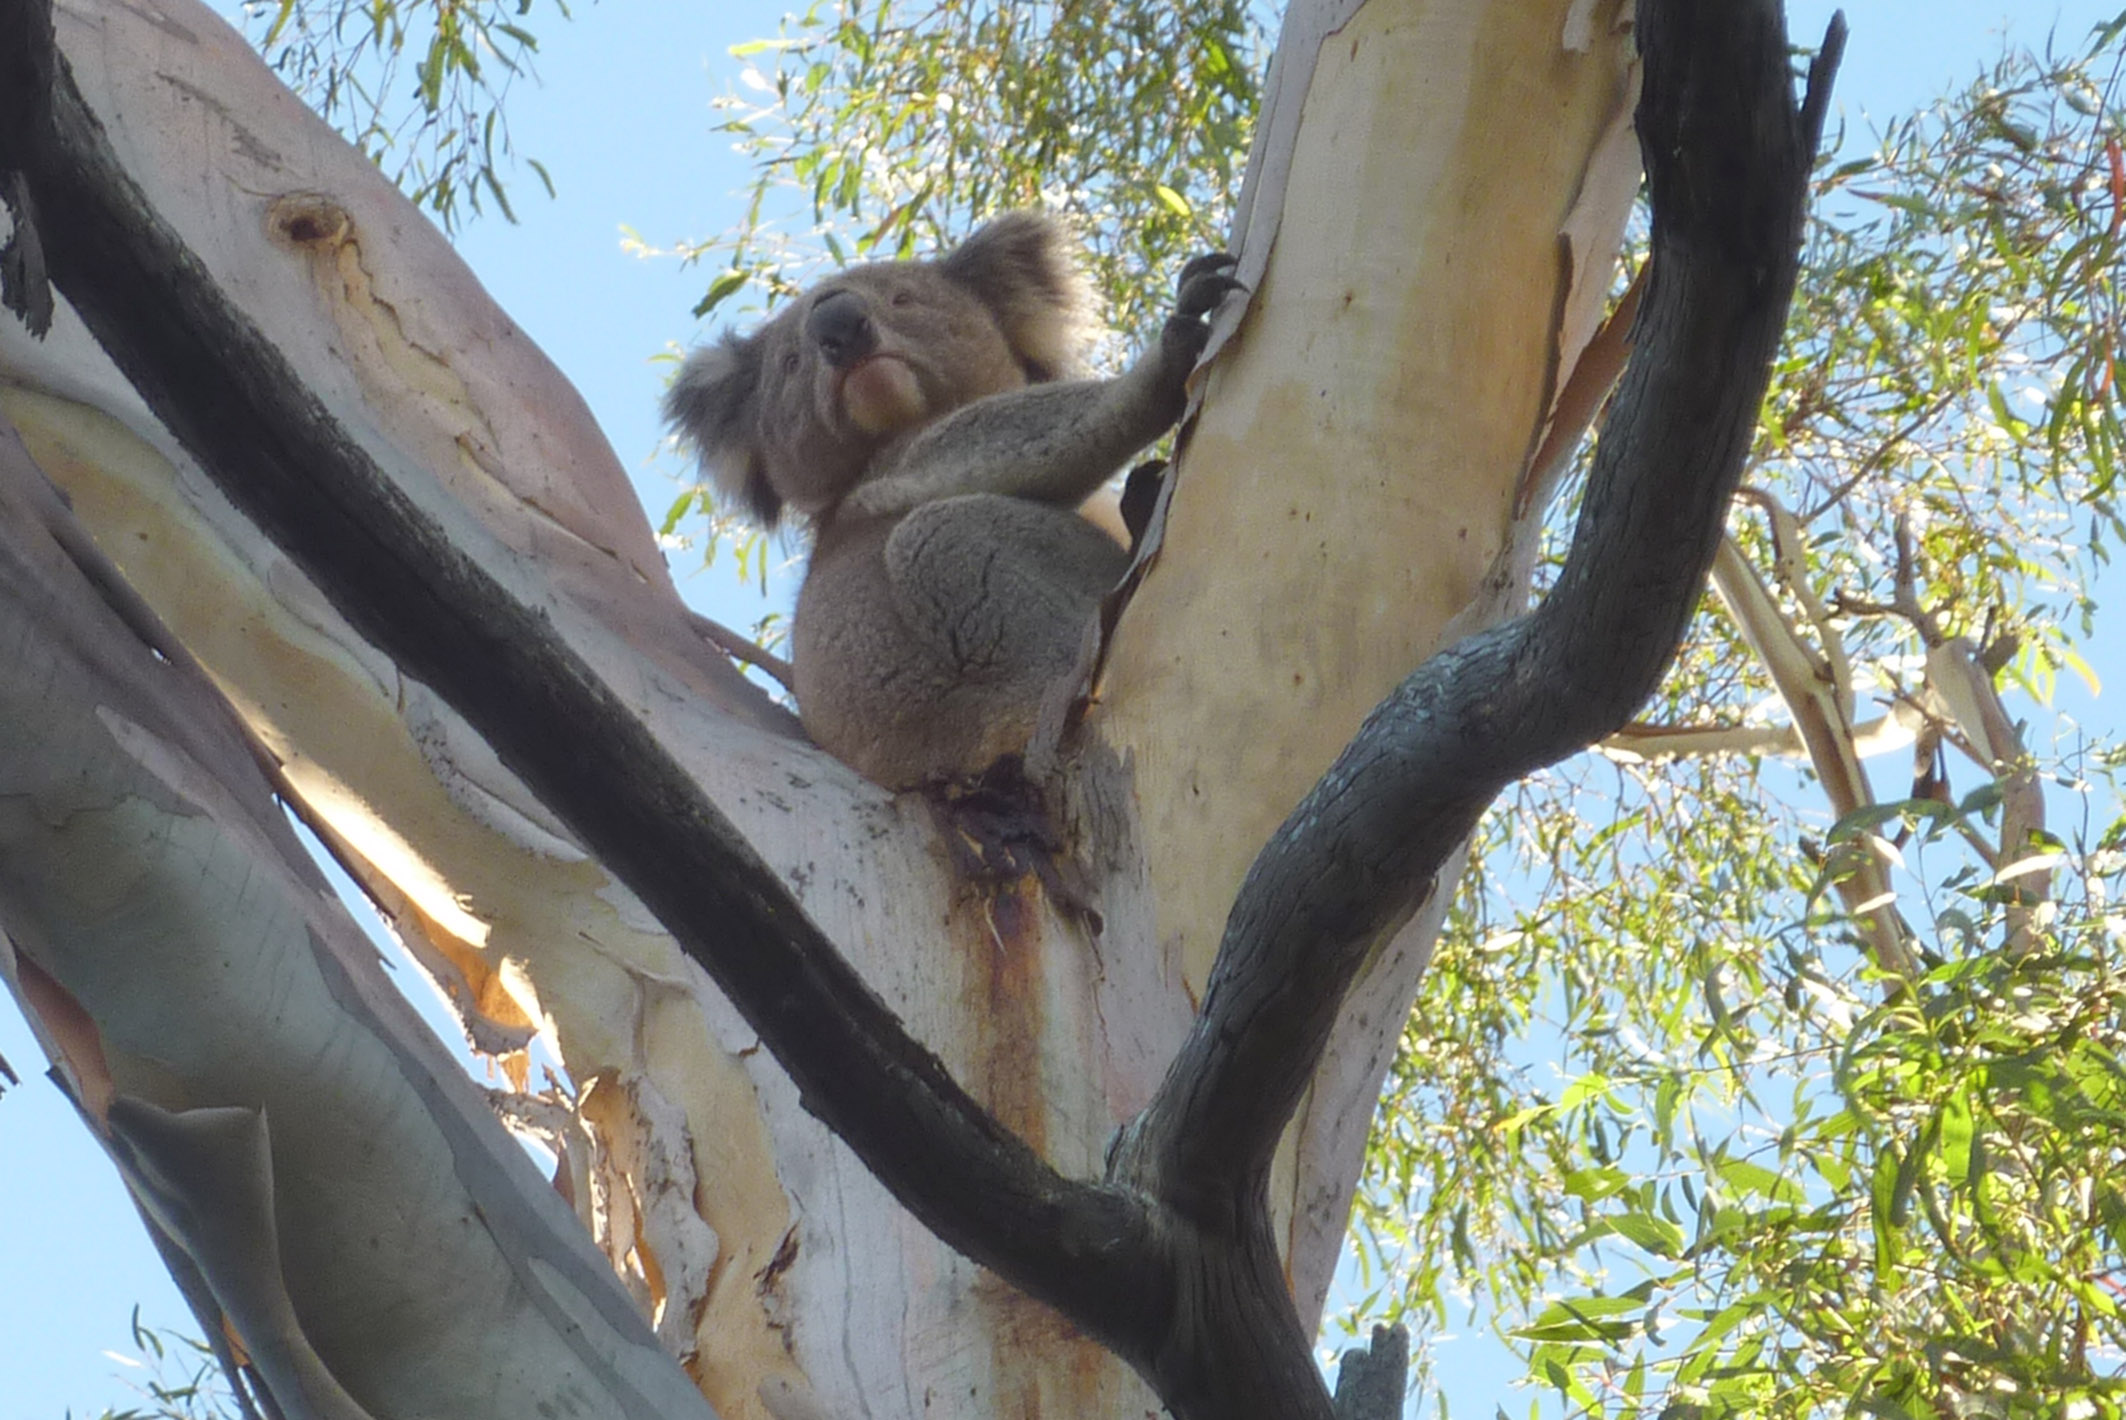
1135	1091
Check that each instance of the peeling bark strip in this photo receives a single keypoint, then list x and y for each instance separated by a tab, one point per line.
149	881
1170	1261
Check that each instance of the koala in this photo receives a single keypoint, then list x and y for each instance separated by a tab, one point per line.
919	416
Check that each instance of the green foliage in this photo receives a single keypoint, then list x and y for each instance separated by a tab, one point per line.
1955	359
418	85
1767	1177
184	1381
882	129
1809	1194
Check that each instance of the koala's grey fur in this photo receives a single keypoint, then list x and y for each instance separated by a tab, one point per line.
915	413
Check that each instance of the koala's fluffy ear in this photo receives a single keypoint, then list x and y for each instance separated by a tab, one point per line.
1025	269
713	406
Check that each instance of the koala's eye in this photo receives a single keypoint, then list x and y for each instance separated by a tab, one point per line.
904	298
790	362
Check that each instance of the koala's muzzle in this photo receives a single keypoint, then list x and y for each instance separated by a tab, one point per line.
840	325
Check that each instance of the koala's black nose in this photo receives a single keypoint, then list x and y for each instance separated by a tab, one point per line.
840	326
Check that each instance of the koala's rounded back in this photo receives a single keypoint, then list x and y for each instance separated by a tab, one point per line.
796	413
940	665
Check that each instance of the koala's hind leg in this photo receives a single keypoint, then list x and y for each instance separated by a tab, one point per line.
1000	588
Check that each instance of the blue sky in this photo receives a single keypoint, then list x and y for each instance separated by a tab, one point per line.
621	120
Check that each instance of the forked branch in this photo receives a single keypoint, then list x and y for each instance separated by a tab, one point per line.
1728	155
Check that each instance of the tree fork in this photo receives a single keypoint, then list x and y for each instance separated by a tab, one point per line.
1170	1261
1728	156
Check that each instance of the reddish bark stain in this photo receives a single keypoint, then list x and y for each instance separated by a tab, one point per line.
1002	930
1045	1368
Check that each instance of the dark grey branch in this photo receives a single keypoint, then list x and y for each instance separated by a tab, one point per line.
1370	1380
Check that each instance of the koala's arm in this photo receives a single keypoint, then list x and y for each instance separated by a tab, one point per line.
1056	443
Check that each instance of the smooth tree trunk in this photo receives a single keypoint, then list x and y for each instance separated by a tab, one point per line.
858	1133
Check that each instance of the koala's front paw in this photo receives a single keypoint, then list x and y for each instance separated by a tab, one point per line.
1204	283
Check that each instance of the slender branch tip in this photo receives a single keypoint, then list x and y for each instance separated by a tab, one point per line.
1823	73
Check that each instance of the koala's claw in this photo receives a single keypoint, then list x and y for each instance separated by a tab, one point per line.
1205	282
1209	261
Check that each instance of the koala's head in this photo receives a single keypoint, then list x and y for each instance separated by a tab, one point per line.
794	413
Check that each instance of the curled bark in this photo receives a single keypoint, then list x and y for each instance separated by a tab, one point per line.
149	884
